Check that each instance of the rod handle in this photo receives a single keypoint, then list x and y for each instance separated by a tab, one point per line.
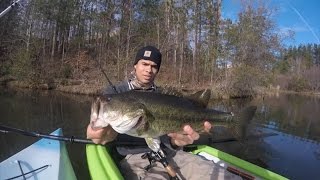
171	171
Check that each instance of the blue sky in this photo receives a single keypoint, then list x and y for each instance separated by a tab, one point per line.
300	16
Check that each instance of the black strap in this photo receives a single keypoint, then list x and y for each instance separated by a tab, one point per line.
23	174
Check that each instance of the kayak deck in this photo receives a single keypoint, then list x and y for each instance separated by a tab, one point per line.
102	166
235	165
45	159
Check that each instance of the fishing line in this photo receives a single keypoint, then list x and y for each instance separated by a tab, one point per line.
105	75
9	8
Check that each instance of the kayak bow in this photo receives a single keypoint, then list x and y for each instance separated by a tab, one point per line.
45	159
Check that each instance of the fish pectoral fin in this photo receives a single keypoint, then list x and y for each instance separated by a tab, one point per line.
153	143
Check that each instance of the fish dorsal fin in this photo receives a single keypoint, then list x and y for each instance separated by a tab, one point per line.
200	98
169	91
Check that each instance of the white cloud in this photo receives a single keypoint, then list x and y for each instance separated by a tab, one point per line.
295	28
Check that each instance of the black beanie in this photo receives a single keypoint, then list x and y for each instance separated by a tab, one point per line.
149	53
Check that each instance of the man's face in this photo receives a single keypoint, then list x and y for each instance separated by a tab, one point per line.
146	71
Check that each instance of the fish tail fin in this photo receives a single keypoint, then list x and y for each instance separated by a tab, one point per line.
242	120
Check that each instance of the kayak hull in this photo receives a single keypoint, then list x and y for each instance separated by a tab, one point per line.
45	159
102	166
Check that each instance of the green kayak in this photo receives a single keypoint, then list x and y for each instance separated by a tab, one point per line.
102	165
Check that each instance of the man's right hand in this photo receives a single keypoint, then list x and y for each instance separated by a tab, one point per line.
101	136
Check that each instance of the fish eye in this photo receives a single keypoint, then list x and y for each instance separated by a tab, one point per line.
109	99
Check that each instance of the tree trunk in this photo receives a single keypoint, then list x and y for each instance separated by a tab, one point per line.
128	36
54	39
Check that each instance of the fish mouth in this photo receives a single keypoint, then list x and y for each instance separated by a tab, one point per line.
126	126
138	123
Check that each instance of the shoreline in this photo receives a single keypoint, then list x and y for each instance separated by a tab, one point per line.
81	87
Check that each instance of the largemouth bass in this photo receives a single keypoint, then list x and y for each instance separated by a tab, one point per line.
150	114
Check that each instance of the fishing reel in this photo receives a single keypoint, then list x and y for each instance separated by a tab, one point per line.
154	157
159	156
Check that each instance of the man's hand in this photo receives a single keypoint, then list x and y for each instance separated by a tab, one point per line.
188	136
101	136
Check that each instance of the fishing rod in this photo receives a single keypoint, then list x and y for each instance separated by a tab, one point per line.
105	75
9	8
72	139
110	83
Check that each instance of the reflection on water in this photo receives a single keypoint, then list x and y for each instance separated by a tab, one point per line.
44	112
294	151
296	119
292	114
284	135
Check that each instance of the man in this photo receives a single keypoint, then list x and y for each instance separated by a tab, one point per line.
146	67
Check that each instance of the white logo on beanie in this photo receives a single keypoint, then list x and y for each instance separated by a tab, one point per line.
147	53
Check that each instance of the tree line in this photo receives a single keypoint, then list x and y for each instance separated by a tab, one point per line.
46	40
302	64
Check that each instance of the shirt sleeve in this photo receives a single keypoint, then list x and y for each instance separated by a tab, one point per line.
108	90
121	87
166	141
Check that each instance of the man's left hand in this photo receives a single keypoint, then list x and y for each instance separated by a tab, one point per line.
188	136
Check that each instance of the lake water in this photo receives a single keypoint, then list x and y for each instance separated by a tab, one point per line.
283	137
